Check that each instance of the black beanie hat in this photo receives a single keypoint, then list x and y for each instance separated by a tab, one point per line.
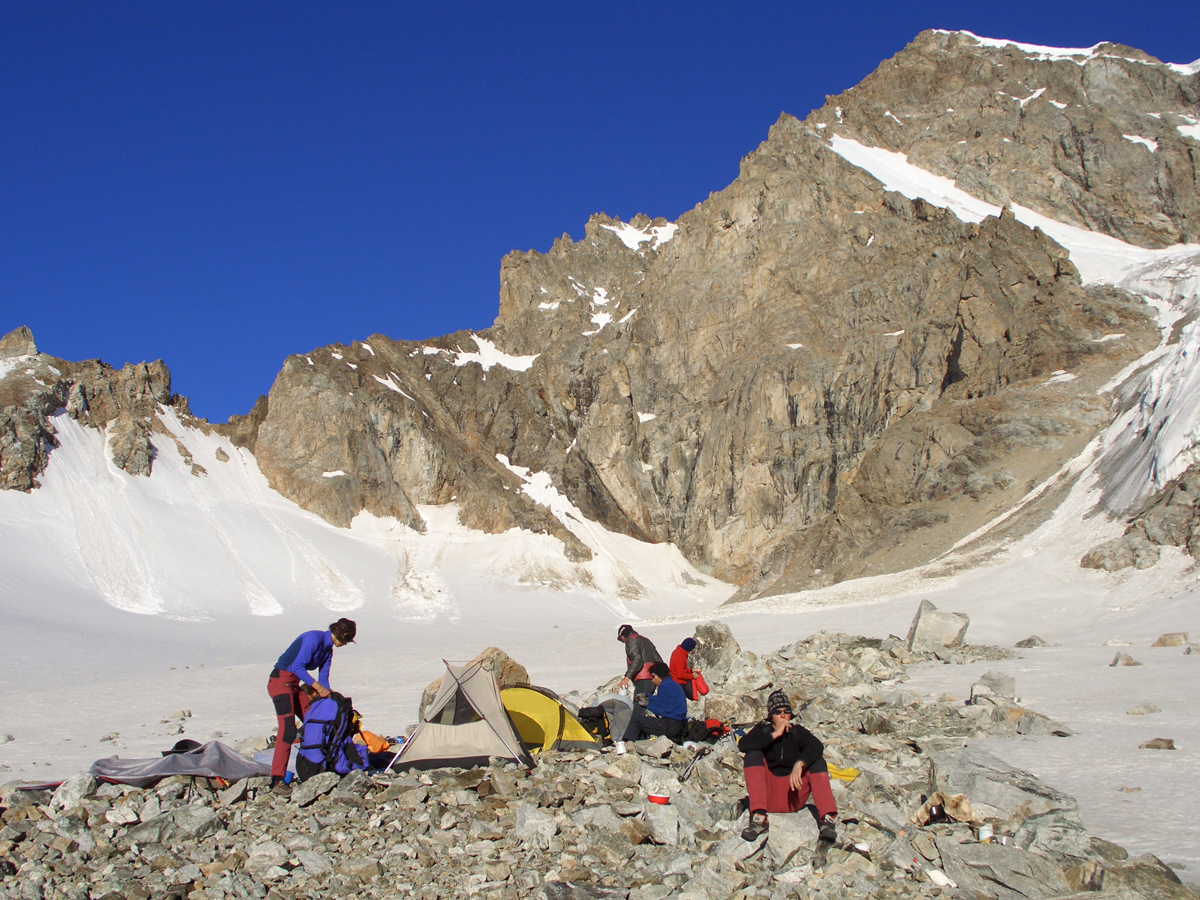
624	631
779	702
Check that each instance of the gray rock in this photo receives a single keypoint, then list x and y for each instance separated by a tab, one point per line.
1174	639
1032	641
996	790
307	791
185	823
664	823
1056	835
1124	659
1143	709
566	890
1149	877
534	825
234	793
1001	871
18	342
73	791
790	833
265	856
875	722
1158	744
1000	684
931	628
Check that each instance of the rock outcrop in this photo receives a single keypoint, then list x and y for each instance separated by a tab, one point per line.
765	389
125	404
1104	138
1171	518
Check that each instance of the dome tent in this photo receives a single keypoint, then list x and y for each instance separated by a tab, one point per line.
543	721
464	726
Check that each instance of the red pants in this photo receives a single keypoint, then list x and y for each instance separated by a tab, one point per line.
290	703
774	794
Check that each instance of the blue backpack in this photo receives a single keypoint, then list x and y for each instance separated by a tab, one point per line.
327	742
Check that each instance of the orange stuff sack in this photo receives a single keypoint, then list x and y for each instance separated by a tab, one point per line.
375	744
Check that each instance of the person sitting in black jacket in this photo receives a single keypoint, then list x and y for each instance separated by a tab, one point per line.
784	764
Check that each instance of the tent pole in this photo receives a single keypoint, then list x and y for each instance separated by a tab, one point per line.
481	715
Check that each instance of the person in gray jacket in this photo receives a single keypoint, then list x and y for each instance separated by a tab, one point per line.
640	653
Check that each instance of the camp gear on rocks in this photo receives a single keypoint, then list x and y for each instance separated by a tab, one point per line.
327	744
940	807
211	760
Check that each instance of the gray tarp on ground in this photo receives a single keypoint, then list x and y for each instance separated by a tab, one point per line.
212	760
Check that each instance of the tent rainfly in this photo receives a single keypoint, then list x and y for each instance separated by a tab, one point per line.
544	721
465	725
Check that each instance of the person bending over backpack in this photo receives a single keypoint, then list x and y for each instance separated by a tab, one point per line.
664	712
312	650
784	764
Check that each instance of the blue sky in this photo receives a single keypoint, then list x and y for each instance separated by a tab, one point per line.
222	184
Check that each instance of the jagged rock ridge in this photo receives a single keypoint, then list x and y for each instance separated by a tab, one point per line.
806	377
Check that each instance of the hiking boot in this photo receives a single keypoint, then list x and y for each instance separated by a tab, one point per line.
827	829
757	828
619	746
280	786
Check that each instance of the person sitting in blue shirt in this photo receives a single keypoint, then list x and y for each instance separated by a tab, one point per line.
665	711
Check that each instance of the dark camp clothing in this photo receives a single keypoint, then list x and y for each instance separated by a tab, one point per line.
643	722
665	712
290	703
639	652
312	650
768	766
797	744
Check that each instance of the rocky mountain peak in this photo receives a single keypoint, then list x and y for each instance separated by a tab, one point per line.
807	377
1104	138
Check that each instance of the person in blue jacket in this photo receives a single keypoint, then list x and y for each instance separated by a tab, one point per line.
313	650
664	712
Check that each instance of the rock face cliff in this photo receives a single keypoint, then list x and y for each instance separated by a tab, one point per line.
124	403
1107	138
806	377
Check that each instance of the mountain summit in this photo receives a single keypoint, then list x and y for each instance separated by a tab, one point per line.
815	374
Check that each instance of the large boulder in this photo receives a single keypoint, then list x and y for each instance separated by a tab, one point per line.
716	653
507	670
933	629
997	791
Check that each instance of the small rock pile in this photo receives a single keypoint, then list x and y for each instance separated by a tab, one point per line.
579	825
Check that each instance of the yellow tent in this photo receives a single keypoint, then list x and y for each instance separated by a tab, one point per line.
543	721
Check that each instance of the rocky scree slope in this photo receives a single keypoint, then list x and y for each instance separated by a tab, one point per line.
579	824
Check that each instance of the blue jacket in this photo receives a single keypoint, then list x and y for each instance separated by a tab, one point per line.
312	650
668	702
